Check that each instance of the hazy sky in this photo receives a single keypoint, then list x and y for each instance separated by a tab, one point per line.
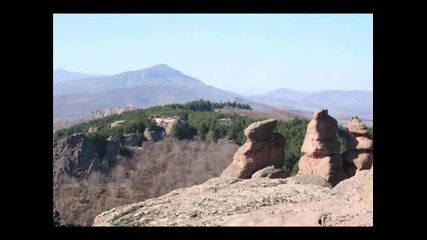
243	53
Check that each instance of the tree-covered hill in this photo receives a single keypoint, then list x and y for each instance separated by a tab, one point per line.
204	123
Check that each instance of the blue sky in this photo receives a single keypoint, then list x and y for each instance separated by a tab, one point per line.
243	53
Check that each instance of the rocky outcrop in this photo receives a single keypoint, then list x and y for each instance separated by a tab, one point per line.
116	124
94	128
57	222
357	188
243	202
164	127
263	148
322	150
78	156
359	155
270	172
110	111
130	139
112	151
357	127
168	123
154	135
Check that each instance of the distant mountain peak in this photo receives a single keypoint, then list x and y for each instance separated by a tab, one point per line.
156	85
161	65
161	68
160	75
158	71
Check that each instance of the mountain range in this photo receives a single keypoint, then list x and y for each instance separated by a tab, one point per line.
157	85
341	104
79	94
61	75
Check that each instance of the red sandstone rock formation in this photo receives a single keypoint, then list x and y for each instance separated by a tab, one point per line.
263	148
360	155
322	150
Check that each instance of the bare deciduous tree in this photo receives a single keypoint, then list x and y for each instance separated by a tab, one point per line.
155	169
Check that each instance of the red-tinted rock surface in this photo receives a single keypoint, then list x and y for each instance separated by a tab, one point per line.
360	143
358	188
320	138
263	148
270	172
359	155
321	149
357	127
249	202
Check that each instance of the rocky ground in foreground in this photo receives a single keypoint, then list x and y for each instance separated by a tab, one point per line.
296	201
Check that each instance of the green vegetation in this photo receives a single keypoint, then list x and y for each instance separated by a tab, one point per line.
100	142
343	137
294	132
204	123
178	132
200	115
208	125
207	106
371	133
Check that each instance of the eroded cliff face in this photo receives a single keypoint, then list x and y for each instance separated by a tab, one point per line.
263	148
77	156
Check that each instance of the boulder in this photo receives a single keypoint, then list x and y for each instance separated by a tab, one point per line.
356	161
360	143
260	131
116	124
357	127
357	188
270	172
263	148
